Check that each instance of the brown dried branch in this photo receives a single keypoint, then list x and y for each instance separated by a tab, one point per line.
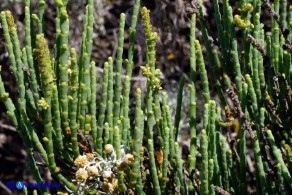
220	191
256	44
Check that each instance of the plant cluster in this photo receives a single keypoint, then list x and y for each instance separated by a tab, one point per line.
90	153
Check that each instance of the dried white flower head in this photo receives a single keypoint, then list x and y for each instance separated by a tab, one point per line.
98	172
81	176
107	176
108	149
128	159
92	171
115	184
107	187
81	161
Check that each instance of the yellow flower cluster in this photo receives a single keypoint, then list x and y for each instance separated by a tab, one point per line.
43	104
44	60
240	22
155	82
246	7
10	20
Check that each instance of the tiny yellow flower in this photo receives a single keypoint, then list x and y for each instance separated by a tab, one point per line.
146	71
246	7
10	20
156	84
157	72
90	156
154	36
43	104
240	22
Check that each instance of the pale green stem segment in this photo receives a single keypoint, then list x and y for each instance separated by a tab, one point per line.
211	175
279	158
153	169
132	32
118	71
8	44
135	177
206	117
282	185
92	105
232	172
203	72
192	112
84	92
102	108
87	125
221	32
259	165
57	119
10	29
275	47
28	48
236	65
255	60
165	158
73	102
62	66
225	174
28	92
110	94
218	83
204	186
178	106
129	68
41	12
193	136
242	140
117	145
252	94
179	169
212	142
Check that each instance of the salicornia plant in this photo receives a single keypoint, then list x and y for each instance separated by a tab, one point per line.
97	148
